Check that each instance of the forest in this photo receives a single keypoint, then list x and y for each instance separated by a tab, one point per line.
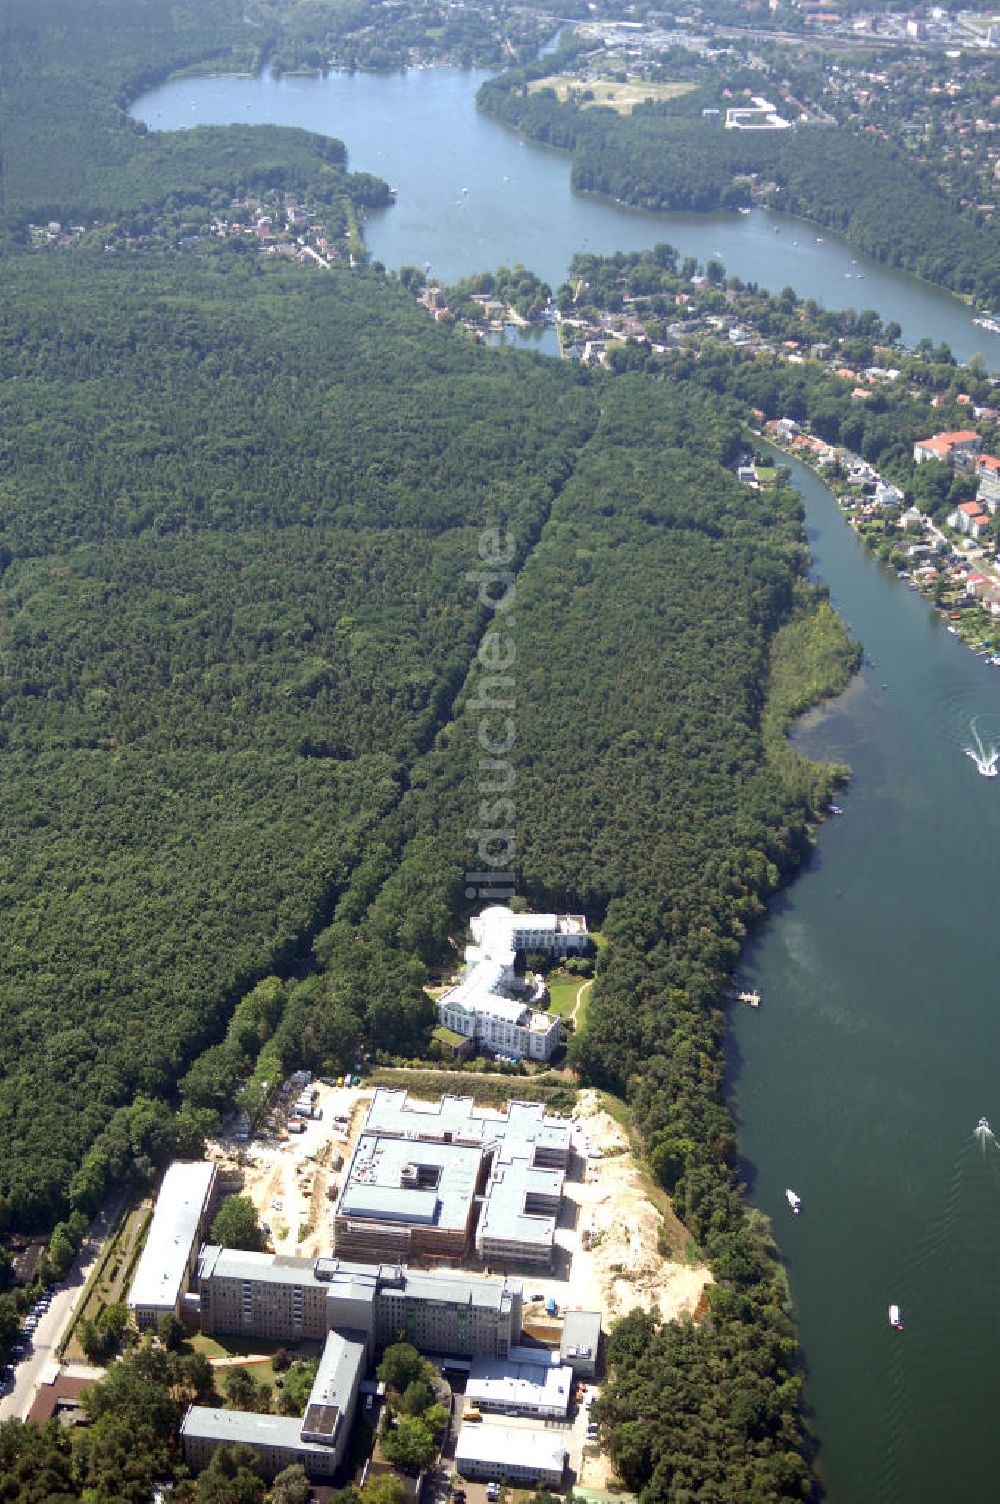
243	510
666	156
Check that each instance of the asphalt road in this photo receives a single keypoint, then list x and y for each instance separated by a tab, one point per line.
55	1321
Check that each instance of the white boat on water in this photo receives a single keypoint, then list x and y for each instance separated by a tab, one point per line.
794	1201
896	1318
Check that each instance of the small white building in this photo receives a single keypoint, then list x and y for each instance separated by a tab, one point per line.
521	1456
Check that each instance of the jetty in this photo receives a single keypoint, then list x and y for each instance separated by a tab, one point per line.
752	999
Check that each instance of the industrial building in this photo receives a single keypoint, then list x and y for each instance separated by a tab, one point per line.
418	1171
529	1381
521	1456
183	1209
288	1299
479	1007
317	1440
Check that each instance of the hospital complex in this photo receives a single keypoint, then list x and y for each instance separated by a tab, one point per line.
447	1182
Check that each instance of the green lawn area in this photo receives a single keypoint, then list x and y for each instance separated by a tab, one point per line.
622	97
562	995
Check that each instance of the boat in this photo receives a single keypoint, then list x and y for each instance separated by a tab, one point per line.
794	1201
983	1126
895	1318
835	809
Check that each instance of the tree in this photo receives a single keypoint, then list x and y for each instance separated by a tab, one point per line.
400	1365
291	1486
236	1225
381	1489
417	1396
231	1477
170	1331
410	1445
241	1389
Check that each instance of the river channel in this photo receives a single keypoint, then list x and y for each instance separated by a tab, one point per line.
472	195
860	1081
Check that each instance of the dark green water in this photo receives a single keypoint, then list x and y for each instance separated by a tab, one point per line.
860	1081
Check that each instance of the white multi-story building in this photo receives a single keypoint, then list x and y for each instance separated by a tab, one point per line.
478	1008
171	1252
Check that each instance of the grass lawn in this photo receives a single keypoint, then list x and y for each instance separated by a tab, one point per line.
562	995
607	92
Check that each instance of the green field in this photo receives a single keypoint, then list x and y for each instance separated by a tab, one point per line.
621	97
562	996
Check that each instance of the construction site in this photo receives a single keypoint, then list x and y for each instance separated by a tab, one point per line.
607	1244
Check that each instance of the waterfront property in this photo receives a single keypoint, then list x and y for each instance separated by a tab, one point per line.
317	1440
168	1261
479	1007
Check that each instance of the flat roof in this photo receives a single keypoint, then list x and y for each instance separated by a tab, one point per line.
336	1384
518	1385
272	1268
341	1277
504	1214
393	1112
491	1294
444	1181
582	1332
502	1444
162	1269
389	1204
230	1427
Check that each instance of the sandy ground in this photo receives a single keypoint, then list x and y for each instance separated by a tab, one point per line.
622	1267
289	1177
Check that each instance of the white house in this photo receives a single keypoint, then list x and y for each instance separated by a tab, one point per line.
478	1007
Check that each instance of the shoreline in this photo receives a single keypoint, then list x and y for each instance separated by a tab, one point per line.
951	618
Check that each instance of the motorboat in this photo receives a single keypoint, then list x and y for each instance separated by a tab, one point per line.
794	1201
835	809
896	1318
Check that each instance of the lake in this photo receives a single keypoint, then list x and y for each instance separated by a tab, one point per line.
472	195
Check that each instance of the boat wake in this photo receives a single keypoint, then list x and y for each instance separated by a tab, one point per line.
985	760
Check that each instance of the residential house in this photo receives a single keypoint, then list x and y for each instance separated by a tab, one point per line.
960	448
968	518
988	471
